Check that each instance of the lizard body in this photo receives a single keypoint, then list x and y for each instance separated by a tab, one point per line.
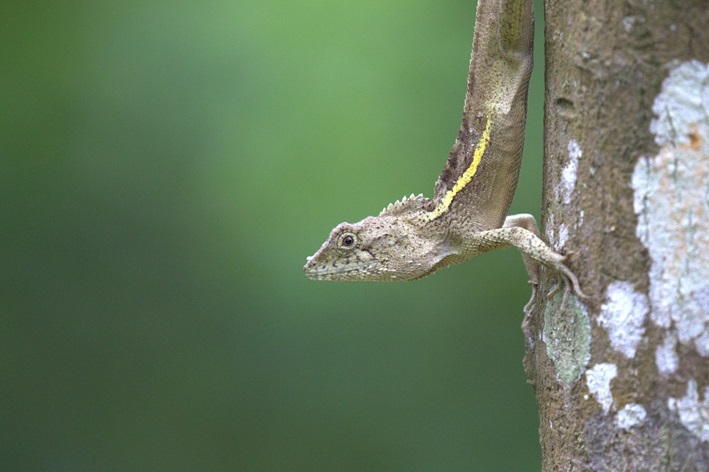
467	216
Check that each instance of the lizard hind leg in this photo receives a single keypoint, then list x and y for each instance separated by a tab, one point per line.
527	221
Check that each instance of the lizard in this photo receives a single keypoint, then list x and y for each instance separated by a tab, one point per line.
416	236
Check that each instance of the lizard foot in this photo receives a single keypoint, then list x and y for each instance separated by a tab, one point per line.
571	283
530	304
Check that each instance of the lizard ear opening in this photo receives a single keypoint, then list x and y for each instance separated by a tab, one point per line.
347	241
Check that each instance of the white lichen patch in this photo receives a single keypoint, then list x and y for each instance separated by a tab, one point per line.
628	23
563	235
569	173
556	234
673	209
623	316
701	342
598	380
564	193
550	224
693	412
666	355
630	415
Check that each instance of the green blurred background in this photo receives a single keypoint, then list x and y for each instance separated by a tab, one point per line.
166	168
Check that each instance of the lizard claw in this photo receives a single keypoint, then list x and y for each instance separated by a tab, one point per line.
571	283
530	304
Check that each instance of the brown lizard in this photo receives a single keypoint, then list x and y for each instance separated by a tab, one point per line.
417	236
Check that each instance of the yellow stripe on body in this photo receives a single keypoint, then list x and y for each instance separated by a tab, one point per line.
466	177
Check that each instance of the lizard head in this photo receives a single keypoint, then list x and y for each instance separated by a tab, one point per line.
396	245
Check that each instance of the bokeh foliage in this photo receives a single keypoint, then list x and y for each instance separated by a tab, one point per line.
166	168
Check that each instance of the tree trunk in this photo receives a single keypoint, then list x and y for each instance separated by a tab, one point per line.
622	377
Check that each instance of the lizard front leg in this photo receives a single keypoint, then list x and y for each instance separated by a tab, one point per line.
521	231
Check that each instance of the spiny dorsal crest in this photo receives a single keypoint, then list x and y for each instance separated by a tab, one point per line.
406	204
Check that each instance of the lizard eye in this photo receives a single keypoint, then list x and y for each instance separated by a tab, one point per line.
347	241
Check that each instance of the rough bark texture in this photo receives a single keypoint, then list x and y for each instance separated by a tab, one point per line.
622	378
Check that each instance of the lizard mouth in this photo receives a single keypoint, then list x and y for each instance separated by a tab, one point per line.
343	272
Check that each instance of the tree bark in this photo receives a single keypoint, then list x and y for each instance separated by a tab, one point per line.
622	378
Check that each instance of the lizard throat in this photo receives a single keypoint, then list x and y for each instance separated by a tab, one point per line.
466	177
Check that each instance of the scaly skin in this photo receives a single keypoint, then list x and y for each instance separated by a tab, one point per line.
417	236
